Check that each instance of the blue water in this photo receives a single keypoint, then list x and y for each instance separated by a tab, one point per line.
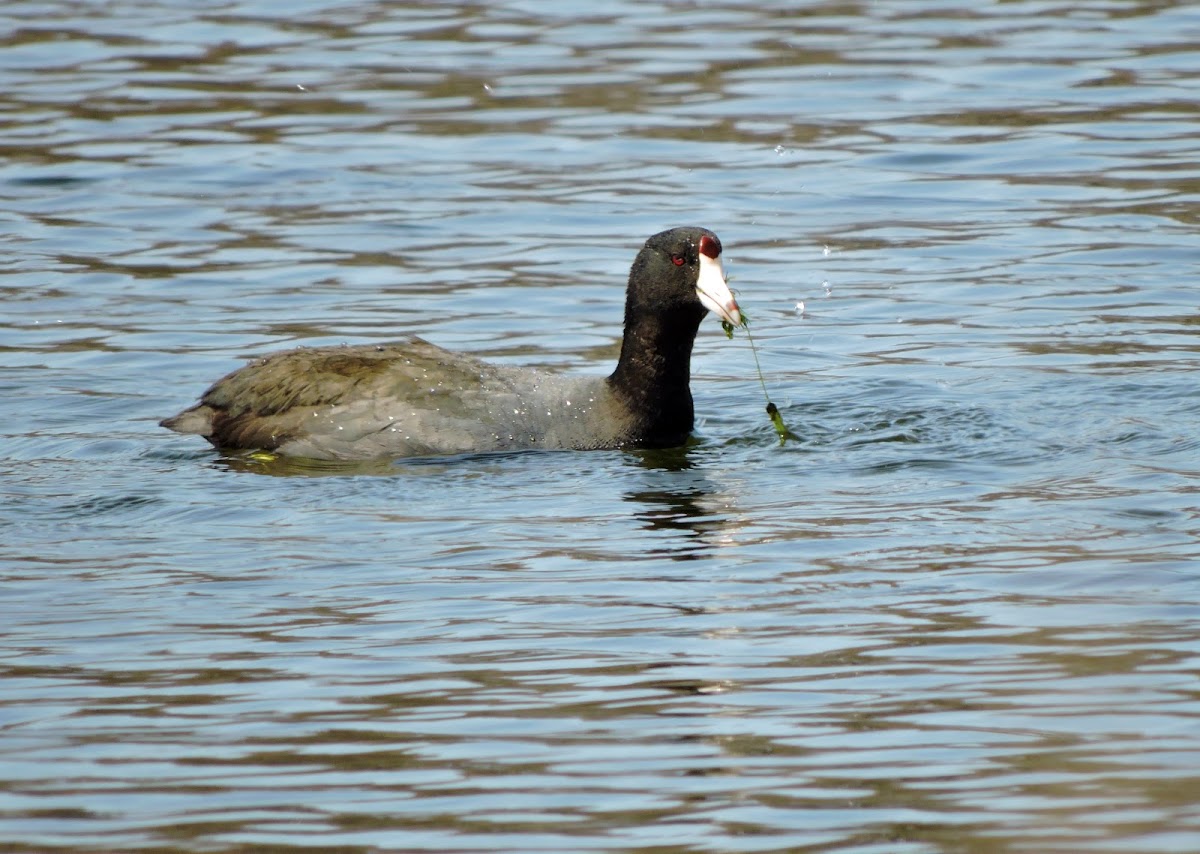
960	613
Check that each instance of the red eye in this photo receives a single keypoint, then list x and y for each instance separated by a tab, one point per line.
677	260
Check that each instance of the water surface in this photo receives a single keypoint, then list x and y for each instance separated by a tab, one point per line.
961	613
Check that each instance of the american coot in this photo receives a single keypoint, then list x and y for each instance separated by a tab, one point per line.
413	398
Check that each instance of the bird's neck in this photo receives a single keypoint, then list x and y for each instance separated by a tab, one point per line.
654	370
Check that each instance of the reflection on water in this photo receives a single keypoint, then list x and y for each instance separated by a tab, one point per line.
959	613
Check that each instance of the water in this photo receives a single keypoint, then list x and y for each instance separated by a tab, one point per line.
962	613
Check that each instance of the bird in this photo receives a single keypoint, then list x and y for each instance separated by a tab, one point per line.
412	398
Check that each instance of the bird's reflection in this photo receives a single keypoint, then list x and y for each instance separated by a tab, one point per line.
678	496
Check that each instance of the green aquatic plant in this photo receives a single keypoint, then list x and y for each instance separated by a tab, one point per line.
772	410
